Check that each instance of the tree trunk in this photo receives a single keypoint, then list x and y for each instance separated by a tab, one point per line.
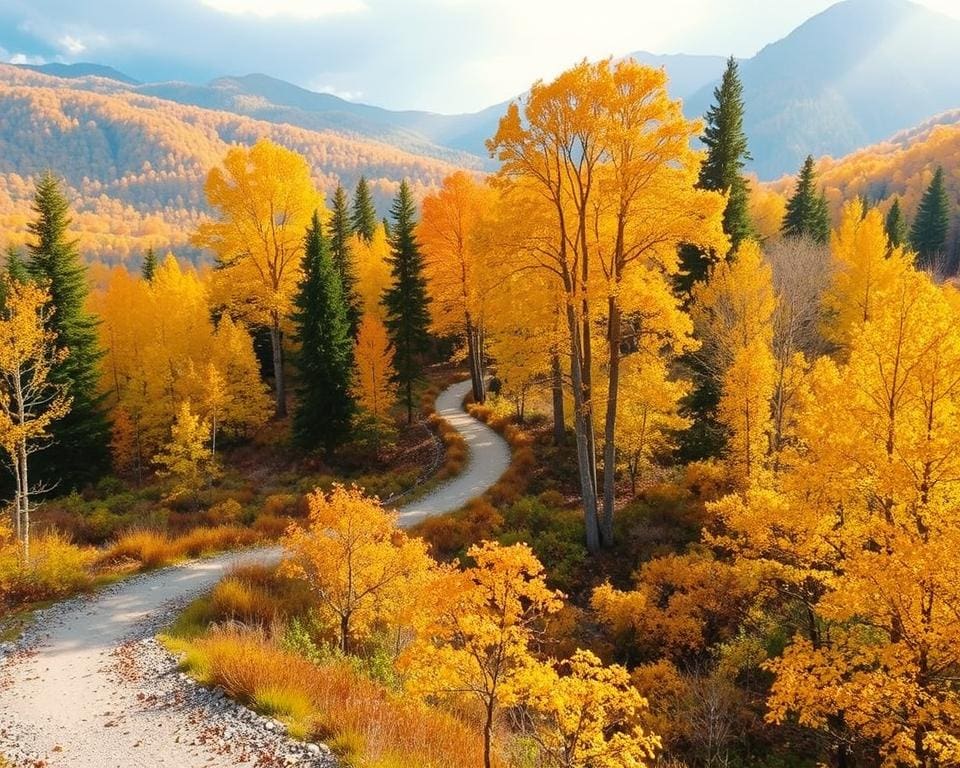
276	342
24	502
583	420
409	402
345	633
610	425
488	736
475	361
559	423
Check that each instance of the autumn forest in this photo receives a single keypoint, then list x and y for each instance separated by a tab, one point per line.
725	528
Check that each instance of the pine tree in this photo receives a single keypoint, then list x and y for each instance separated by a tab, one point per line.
325	405
149	266
81	447
340	232
722	171
896	225
928	236
807	213
363	219
406	302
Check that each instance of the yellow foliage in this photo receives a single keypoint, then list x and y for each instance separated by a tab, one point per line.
187	457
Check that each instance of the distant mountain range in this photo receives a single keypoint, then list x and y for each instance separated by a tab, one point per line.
850	76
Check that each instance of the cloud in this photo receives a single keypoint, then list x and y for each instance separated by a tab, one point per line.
301	9
23	58
72	45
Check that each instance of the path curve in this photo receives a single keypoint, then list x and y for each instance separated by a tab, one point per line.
88	688
488	458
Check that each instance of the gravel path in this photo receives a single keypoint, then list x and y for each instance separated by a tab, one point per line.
88	687
489	458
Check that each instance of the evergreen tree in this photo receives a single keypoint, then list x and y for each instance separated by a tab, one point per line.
343	259
928	236
363	219
722	171
896	225
325	406
149	266
406	302
80	451
807	212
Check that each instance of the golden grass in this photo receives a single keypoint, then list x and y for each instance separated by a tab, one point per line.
57	568
152	549
363	721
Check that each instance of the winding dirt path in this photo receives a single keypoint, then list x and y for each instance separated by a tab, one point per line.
86	690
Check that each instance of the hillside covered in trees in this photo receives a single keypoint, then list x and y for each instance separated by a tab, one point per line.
134	165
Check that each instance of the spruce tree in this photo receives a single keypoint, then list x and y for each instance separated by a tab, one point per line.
406	302
896	225
928	236
343	259
363	219
325	405
807	213
722	171
80	450
149	267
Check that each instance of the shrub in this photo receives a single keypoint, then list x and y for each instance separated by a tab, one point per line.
57	567
148	548
226	512
271	526
238	600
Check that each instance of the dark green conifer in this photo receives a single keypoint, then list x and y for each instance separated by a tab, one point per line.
325	404
80	449
928	236
807	213
406	302
149	267
363	219
896	225
340	251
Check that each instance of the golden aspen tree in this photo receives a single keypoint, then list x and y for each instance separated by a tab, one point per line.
733	311
187	457
586	715
356	560
264	198
862	533
374	388
30	402
601	173
373	269
455	265
864	271
480	643
246	403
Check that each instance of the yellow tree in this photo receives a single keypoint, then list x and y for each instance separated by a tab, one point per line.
862	533
373	269
458	277
29	401
649	412
358	563
264	198
864	271
187	457
376	394
733	311
480	643
600	178
586	715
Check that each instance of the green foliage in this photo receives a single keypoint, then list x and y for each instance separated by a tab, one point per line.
340	230
929	232
807	213
325	407
896	225
363	219
80	451
406	302
149	266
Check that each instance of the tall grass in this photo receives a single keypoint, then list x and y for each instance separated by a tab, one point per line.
361	720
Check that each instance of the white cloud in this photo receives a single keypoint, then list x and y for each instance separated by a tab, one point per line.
72	45
325	87
301	9
22	58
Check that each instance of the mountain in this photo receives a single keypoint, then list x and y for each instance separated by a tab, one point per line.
848	77
688	74
81	69
135	164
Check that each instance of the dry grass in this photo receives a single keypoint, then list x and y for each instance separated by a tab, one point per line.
363	721
57	568
152	549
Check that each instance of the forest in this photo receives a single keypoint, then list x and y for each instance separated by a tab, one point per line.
727	533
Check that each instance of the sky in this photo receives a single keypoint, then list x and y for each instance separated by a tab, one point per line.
439	55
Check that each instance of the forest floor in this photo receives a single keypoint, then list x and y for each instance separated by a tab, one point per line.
83	688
